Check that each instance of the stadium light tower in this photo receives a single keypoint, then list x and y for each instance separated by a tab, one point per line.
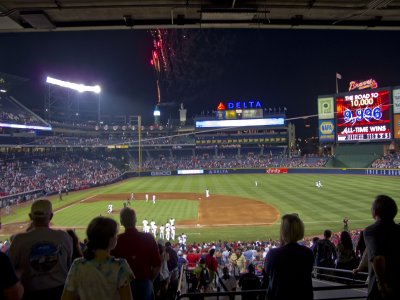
81	88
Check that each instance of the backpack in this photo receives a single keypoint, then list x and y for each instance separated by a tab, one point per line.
204	277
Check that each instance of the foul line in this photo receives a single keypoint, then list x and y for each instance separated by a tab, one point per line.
73	204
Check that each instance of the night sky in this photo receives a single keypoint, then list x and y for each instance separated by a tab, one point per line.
281	68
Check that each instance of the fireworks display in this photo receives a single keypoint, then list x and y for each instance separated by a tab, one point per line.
184	62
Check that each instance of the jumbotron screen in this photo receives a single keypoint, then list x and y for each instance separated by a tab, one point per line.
364	117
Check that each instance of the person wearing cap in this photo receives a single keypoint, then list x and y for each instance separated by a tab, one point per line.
141	251
42	255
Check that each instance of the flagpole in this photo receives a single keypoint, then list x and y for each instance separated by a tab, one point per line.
337	87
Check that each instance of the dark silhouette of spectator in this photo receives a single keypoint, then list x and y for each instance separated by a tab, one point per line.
141	252
360	248
10	286
383	245
228	283
173	270
76	246
42	255
325	251
98	275
346	256
249	281
289	267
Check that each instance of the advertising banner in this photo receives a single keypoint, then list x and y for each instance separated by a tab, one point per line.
396	101
326	129
326	108
277	171
396	126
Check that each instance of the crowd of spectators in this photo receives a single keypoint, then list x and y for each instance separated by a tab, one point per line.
231	162
390	161
54	174
10	112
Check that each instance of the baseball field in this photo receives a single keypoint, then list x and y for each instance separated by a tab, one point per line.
237	209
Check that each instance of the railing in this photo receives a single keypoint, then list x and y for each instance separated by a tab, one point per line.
356	284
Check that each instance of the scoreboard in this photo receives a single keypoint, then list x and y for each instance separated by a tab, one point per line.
364	116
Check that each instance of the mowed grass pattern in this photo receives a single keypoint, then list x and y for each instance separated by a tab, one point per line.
340	196
77	215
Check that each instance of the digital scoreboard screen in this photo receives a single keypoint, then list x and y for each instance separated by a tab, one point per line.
363	117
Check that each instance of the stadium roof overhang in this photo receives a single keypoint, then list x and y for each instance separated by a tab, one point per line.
60	15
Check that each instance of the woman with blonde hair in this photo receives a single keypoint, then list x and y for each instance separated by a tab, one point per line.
289	267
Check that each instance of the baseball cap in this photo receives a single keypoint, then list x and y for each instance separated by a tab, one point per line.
41	208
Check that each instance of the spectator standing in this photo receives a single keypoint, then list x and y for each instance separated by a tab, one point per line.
172	268
383	245
325	251
76	245
211	264
10	286
42	255
346	258
202	276
289	267
141	252
228	283
98	275
249	281
241	262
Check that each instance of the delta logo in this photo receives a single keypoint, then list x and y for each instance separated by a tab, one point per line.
326	128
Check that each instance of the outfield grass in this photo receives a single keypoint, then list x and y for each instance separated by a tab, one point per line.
341	195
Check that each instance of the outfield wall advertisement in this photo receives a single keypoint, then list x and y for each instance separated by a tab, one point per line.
364	117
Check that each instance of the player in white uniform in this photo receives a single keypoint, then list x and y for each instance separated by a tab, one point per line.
207	193
162	228
147	197
318	184
154	230
109	209
145	223
154	199
167	233
146	229
173	232
256	183
184	238
152	223
172	221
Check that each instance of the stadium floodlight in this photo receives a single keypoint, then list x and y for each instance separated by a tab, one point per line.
74	86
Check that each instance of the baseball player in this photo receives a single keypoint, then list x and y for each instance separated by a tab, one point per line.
172	221
207	193
167	233
154	199
110	209
154	230
145	223
147	197
162	228
172	232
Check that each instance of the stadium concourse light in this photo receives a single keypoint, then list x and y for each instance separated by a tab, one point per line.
74	86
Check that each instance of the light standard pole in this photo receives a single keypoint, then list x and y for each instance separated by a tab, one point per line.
98	111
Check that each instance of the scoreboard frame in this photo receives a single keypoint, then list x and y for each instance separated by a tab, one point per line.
364	116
